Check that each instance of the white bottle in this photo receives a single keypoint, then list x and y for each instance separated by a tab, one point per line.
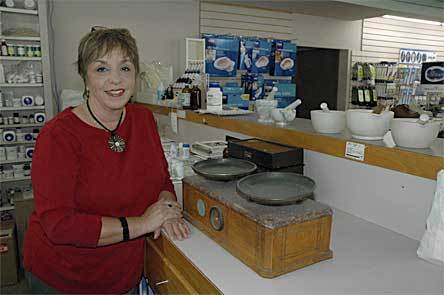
214	98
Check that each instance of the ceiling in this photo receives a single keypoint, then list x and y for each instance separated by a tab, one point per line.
353	9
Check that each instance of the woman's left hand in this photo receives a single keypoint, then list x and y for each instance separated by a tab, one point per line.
176	229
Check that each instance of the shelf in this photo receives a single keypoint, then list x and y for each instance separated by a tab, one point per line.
15	179
18	10
6	208
419	162
22	125
20	38
16	161
22	108
21	85
13	58
17	142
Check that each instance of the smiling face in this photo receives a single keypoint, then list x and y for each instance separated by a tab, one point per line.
111	81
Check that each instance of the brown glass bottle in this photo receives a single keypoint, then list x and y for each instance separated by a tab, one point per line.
196	97
186	96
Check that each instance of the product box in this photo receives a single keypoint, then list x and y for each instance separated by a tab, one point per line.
235	97
245	53
283	58
261	56
286	94
221	54
432	73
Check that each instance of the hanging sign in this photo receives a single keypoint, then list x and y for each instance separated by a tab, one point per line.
415	56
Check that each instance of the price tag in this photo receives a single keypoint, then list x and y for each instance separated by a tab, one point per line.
181	114
173	117
355	150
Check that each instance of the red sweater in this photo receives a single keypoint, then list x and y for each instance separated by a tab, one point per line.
76	180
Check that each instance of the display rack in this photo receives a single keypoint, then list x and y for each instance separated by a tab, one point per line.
15	21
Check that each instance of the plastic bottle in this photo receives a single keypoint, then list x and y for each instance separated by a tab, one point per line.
214	98
185	151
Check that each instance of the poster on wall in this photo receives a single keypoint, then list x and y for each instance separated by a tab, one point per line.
416	56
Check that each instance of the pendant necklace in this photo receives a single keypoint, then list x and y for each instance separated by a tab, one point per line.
115	142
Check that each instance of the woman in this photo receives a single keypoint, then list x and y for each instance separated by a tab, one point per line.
100	180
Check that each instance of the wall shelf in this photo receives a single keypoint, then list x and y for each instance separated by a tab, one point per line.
18	10
22	125
15	179
21	85
6	208
16	161
14	58
22	108
17	142
20	38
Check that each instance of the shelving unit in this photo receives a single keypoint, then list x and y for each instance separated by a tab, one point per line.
17	58
21	85
35	23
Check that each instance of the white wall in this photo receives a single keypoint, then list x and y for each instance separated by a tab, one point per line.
159	27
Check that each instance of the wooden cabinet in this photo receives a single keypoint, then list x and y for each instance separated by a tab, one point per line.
170	272
270	252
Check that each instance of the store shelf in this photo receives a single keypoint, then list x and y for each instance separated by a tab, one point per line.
16	161
22	125
14	58
20	38
21	85
18	10
22	108
6	208
15	179
17	142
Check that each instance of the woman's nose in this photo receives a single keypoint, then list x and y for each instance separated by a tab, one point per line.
115	77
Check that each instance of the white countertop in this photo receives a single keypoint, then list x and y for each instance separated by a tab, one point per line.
367	259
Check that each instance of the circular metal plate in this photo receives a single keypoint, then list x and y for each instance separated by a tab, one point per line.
224	169
275	188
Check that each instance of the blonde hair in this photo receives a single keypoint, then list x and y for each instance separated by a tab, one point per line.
101	42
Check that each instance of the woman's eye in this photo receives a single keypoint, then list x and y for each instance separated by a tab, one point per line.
126	68
101	69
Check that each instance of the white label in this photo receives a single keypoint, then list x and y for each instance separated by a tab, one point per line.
181	114
355	150
173	122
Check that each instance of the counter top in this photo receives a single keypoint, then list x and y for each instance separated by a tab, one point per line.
268	216
300	133
368	259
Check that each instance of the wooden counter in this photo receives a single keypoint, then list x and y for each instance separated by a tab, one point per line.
419	162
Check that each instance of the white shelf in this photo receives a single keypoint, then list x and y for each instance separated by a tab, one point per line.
15	179
13	58
20	38
16	161
22	108
18	142
18	10
21	85
22	125
6	208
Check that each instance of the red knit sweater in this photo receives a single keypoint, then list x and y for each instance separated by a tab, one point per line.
76	180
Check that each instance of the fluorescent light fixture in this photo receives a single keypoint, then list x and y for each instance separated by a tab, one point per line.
429	22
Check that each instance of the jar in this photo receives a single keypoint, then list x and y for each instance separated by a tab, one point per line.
214	98
186	151
11	49
29	51
37	51
21	50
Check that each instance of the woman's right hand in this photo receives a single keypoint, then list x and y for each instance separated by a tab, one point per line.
156	214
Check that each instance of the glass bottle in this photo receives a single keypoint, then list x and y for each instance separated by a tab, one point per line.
186	97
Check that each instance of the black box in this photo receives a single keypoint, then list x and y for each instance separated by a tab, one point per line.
267	154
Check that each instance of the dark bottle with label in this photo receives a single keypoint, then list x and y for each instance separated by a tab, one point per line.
196	98
186	98
374	95
4	48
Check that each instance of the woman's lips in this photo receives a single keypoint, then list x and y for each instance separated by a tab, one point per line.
115	92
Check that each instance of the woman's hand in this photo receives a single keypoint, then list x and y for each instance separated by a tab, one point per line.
175	228
158	213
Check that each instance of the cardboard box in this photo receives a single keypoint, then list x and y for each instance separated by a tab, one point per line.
8	254
221	54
